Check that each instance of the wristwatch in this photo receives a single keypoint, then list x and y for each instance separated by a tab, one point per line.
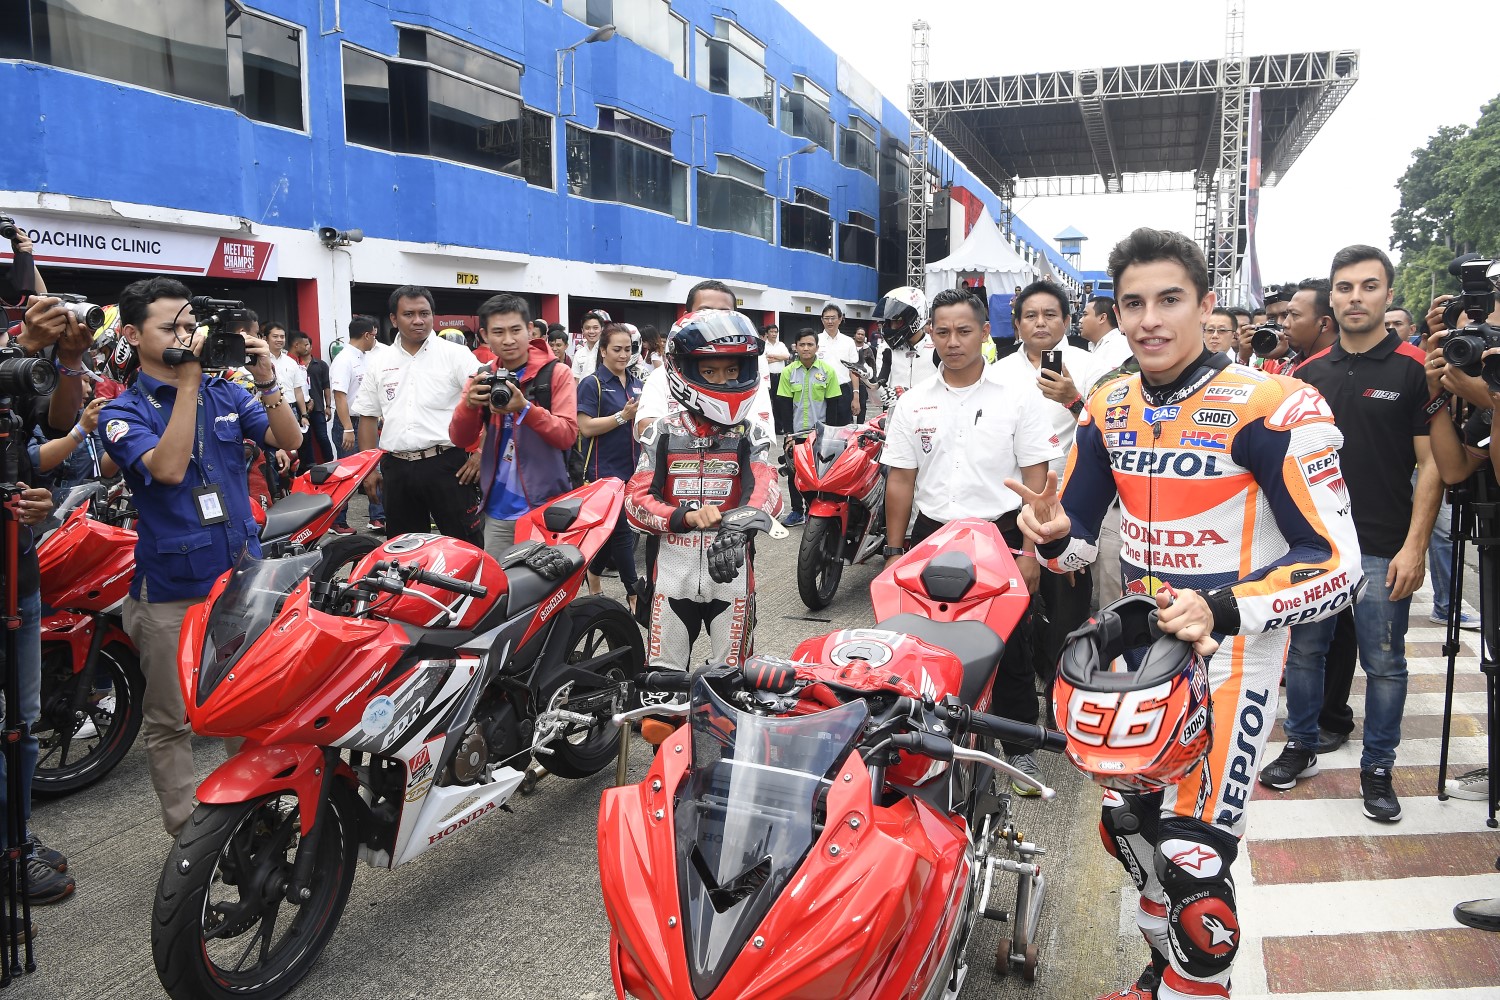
893	550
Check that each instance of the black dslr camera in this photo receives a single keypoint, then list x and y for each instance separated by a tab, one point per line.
1267	340
503	387
224	347
1467	315
23	377
8	230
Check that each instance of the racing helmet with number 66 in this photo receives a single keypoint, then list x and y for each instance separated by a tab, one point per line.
1133	702
706	336
900	313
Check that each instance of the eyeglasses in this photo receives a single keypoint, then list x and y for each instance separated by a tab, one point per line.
1218	329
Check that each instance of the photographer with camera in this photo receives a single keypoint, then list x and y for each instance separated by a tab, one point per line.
178	436
405	404
526	406
74	458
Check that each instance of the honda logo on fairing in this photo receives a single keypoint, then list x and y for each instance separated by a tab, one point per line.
452	827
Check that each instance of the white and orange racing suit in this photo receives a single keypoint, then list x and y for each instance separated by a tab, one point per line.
1230	486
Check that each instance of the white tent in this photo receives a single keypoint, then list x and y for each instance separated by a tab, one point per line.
985	255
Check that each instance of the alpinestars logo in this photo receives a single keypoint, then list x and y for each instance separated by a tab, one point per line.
1218	932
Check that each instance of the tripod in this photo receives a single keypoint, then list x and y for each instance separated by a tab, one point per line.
1476	519
14	880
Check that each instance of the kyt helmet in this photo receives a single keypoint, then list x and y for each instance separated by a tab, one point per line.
713	335
900	313
1133	703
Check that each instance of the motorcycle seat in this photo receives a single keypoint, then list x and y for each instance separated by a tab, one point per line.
526	588
975	644
294	512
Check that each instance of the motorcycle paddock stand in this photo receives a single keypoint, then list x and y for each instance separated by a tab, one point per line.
1019	950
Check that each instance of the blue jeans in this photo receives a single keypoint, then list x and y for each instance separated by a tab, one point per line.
377	512
1380	631
1440	559
29	656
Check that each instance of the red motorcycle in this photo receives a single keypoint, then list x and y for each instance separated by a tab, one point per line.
91	677
839	470
381	717
831	825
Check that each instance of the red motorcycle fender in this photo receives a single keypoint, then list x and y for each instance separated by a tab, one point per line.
261	770
827	508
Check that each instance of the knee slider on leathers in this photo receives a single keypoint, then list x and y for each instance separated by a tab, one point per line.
1192	861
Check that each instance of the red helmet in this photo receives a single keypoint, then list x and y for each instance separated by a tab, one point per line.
711	335
1133	703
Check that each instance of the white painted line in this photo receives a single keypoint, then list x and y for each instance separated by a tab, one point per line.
1469	993
1405	904
1270	819
1464	753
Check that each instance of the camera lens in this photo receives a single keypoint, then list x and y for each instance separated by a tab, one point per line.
1265	341
8	229
500	394
87	314
1463	351
27	377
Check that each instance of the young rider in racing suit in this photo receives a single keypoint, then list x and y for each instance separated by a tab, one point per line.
905	355
706	456
1235	516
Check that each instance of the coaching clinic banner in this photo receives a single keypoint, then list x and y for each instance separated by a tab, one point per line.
76	241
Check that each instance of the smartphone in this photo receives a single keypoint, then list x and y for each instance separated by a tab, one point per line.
1052	361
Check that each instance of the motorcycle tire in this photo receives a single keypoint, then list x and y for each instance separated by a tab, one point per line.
218	842
600	625
56	774
342	554
820	562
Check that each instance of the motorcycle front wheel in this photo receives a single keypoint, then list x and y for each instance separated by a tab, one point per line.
820	562
75	748
222	926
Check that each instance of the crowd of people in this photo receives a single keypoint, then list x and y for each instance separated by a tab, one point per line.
1271	480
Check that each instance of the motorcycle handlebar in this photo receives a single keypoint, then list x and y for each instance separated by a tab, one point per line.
1025	734
432	579
934	747
664	681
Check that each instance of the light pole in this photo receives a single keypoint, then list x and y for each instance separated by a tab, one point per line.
600	34
785	158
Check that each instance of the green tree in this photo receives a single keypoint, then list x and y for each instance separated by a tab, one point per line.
1450	205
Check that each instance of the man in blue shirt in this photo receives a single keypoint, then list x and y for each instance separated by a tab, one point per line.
177	435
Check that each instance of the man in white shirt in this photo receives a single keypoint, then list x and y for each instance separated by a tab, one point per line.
951	442
586	352
839	350
291	376
345	375
1100	326
1041	316
413	387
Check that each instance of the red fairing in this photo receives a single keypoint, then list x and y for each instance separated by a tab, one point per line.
854	473
998	597
77	630
86	565
602	500
861	922
437	554
257	771
272	695
347	473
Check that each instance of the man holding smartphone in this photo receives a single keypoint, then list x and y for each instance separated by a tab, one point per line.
1064	374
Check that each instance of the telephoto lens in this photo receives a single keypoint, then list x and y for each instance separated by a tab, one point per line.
23	376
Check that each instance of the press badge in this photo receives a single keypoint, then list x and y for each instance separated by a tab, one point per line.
210	503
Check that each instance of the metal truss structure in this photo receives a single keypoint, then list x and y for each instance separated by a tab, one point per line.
1179	126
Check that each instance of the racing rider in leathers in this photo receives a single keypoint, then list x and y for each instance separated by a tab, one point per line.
905	357
1235	516
706	456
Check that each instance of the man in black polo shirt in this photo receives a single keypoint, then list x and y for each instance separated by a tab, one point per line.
1376	385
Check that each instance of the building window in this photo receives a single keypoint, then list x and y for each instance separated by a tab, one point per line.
735	199
649	23
857	146
857	240
418	103
804	113
733	63
605	167
805	223
219	54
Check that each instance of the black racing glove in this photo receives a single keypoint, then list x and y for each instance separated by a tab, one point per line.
726	555
549	564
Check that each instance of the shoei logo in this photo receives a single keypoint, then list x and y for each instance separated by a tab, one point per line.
1194	726
1215	418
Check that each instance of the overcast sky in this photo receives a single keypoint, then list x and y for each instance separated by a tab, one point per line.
1341	190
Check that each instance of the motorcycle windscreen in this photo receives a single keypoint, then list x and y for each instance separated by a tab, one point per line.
746	817
248	605
78	496
831	442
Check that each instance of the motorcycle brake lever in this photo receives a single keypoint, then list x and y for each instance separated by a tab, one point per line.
668	708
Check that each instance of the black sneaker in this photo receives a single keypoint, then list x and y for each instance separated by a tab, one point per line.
1381	803
46	885
1328	742
1296	762
1481	914
55	860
